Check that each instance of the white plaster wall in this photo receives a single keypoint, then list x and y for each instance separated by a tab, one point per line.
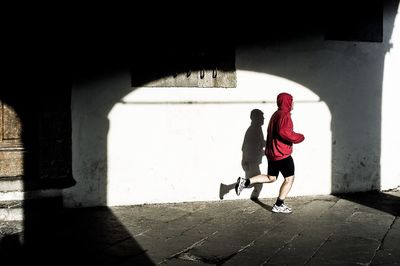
146	145
174	151
390	167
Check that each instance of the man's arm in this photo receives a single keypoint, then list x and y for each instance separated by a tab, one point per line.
286	131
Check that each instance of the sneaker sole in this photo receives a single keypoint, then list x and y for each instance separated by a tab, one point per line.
275	211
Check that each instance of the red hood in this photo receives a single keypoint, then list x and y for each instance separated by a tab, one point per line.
284	101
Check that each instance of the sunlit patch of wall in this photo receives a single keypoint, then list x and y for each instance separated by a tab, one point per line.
390	146
181	144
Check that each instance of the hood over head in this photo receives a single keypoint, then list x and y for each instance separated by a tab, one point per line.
284	102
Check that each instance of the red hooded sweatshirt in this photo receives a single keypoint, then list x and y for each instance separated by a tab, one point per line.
280	138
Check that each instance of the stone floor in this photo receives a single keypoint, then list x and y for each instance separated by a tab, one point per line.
350	229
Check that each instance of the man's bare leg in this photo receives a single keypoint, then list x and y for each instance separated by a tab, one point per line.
262	179
279	206
242	183
286	186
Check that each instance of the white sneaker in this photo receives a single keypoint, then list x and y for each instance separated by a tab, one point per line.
281	209
239	185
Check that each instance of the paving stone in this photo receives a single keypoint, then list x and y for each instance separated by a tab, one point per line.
389	252
343	249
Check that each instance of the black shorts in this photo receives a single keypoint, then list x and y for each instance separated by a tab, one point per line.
285	166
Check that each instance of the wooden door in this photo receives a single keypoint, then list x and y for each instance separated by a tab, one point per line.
35	138
11	146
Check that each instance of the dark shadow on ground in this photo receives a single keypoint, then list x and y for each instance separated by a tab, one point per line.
262	204
384	202
58	236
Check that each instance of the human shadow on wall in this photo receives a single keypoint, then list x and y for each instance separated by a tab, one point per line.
252	154
253	149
